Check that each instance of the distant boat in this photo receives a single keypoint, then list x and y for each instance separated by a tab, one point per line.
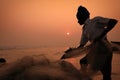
115	45
2	60
115	42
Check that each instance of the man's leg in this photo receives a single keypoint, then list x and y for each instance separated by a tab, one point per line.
83	64
83	69
107	69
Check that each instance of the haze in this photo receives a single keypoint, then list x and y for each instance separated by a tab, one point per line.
47	22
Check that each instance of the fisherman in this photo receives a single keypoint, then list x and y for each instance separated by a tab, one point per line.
95	30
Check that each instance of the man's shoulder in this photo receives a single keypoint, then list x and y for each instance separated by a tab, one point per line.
100	19
97	18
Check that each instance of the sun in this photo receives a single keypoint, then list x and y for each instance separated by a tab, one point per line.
68	33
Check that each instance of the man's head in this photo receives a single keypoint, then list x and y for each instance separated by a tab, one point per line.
82	14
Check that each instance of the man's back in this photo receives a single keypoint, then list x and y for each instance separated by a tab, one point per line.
94	27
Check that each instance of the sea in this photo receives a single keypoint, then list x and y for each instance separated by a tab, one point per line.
12	54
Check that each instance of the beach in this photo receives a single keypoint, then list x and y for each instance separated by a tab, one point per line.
31	61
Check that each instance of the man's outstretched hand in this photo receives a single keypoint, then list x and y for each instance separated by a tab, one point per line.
63	57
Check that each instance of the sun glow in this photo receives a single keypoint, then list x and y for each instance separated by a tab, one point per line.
68	33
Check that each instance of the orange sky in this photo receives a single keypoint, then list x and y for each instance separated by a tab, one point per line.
46	22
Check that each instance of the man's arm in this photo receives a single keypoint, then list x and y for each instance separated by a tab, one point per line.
81	45
110	25
83	41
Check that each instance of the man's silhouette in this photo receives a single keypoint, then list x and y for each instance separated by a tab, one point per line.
95	30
